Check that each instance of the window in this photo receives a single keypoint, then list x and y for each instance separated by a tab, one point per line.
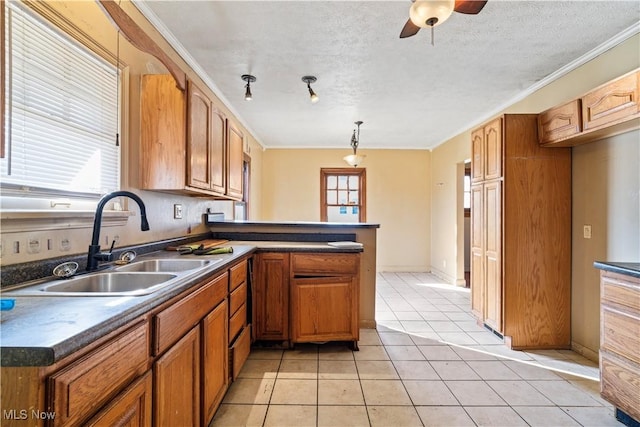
342	195
60	112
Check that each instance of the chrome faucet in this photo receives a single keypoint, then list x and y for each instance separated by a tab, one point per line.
94	254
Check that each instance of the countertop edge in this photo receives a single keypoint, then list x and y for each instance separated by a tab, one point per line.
627	268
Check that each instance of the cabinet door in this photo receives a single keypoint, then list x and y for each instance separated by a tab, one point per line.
235	143
493	149
477	251
559	123
132	408
177	383
493	255
324	309
477	155
215	360
612	103
162	134
271	296
218	152
198	138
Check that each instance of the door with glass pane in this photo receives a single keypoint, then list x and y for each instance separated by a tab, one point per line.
342	195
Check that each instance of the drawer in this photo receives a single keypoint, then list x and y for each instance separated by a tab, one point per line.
239	352
620	334
620	383
237	321
619	290
611	103
173	322
80	389
238	275
237	298
324	264
560	122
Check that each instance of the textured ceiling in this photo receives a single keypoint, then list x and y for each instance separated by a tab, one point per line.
408	93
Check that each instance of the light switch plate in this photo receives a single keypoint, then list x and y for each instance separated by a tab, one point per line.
177	211
586	231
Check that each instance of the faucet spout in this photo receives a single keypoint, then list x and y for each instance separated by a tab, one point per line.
94	254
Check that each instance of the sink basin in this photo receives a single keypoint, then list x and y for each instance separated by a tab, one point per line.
110	283
166	265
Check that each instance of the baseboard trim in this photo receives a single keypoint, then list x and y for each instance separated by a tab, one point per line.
586	352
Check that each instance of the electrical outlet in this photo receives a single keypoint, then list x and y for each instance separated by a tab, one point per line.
65	244
33	245
586	231
177	211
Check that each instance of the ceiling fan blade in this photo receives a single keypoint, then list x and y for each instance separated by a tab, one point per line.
470	7
409	29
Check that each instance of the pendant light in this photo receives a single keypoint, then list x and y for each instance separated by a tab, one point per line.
355	159
249	79
308	80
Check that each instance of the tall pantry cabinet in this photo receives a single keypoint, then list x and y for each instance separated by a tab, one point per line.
521	234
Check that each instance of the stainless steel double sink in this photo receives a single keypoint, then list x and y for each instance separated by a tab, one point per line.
138	278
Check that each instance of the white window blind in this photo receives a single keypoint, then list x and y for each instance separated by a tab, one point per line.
61	111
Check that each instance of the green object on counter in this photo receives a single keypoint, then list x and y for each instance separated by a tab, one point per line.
214	251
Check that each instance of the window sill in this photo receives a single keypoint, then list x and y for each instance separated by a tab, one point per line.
14	220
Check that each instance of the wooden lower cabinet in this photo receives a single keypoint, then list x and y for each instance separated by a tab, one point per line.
177	383
271	296
73	393
324	309
306	296
132	407
620	341
215	380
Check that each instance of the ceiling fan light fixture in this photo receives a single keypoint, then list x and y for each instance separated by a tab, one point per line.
312	95
249	79
431	13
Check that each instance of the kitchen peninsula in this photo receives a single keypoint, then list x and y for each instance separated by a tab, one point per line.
261	233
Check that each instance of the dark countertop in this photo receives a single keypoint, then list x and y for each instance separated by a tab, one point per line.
42	330
627	268
327	225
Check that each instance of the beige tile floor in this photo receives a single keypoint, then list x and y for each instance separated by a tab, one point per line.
427	364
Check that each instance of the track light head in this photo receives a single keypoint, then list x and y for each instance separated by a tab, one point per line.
308	80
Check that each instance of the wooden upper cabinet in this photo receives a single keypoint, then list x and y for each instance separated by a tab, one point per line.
198	138
205	143
162	134
486	149
477	148
611	103
493	149
560	122
235	145
605	111
188	145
